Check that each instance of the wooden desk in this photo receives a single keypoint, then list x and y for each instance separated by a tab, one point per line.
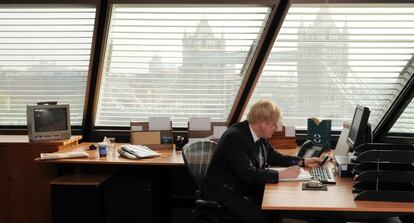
24	185
160	168
169	157
338	198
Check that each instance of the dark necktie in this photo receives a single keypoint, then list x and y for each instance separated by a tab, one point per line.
260	152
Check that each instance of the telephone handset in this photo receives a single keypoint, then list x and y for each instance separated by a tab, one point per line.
310	149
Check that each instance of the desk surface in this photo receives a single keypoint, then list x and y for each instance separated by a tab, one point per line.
339	197
169	157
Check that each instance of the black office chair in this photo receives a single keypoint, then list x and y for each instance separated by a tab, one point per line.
197	156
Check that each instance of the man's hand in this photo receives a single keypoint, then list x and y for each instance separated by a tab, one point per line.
290	172
312	162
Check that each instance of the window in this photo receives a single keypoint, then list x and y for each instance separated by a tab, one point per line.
45	53
329	57
176	61
405	123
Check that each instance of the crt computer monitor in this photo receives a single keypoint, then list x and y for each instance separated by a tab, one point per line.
48	122
360	131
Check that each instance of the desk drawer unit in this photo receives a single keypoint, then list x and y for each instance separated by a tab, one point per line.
128	202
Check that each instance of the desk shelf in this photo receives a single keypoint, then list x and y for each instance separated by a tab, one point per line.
384	175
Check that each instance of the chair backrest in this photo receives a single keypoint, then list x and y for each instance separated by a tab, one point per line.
197	157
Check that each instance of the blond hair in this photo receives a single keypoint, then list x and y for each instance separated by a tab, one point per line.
263	110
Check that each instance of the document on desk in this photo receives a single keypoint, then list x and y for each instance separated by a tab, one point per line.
63	155
303	176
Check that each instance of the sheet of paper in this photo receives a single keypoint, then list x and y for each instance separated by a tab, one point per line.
159	123
199	124
198	139
63	155
218	131
136	128
303	176
290	131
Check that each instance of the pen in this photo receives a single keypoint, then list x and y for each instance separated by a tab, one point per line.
325	158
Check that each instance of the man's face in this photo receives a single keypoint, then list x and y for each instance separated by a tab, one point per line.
268	128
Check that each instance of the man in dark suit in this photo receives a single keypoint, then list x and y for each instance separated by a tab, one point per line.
237	172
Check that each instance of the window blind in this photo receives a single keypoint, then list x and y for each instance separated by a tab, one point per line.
329	57
44	56
405	123
176	61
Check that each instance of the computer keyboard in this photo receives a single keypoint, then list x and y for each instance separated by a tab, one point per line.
323	174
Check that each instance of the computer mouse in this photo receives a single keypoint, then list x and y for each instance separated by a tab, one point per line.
314	184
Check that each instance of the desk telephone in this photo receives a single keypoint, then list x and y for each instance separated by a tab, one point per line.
137	152
310	149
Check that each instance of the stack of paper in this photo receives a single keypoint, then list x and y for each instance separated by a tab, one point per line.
303	176
62	155
190	140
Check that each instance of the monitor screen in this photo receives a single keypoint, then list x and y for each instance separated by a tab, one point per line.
48	122
356	121
358	128
50	119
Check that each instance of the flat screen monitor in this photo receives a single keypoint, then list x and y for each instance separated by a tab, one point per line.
48	122
359	127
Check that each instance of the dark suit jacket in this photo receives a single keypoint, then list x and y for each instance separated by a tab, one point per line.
234	169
